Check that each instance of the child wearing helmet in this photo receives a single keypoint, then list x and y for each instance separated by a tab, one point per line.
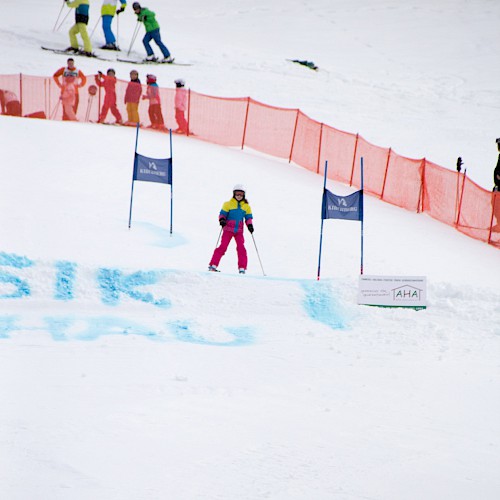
153	94
180	104
148	17
109	84
235	213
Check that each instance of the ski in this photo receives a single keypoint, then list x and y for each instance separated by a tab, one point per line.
69	53
136	61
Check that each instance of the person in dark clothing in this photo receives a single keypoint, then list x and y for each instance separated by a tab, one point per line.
495	198
496	172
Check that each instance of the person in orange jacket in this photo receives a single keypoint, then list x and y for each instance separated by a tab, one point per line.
109	84
70	76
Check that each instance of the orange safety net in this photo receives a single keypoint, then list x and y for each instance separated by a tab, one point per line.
413	184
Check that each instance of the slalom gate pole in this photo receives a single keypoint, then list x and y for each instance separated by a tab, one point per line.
60	12
97	22
171	184
134	36
322	220
255	244
65	17
363	216
133	178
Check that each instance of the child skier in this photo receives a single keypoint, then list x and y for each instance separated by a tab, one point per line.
180	105
232	217
146	16
132	98
109	84
153	94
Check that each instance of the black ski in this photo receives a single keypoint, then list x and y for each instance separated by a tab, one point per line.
136	61
79	53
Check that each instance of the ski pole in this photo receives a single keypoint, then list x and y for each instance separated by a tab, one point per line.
54	111
258	255
89	105
97	22
218	239
62	22
134	36
60	12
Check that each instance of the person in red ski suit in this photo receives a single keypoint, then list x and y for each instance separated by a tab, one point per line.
109	84
153	94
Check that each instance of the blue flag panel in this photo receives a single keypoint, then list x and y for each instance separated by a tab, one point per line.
342	207
152	169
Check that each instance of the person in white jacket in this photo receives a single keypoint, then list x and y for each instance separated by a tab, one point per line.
180	104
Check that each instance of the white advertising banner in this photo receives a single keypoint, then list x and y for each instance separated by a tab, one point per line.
393	291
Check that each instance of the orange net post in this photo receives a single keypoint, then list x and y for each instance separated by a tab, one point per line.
441	193
338	148
476	211
403	182
494	232
375	165
218	120
270	130
306	143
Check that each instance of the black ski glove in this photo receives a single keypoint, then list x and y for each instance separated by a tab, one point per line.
250	228
222	222
119	11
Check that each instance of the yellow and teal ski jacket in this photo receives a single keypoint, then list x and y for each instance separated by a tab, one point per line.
109	7
81	10
236	213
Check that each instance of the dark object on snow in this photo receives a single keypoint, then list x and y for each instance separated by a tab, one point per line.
309	64
459	163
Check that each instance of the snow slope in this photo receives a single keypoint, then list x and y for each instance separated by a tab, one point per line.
127	371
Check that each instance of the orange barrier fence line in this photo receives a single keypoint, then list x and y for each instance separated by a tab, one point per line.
413	184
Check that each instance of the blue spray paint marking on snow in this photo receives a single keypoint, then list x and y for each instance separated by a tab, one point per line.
22	288
113	283
12	260
60	328
321	305
70	328
242	335
65	279
7	325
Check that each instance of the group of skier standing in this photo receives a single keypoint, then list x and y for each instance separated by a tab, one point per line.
108	10
69	79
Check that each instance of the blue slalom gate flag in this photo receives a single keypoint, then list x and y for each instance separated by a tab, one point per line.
152	169
343	207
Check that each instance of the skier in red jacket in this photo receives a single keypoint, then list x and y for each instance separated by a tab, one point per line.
109	84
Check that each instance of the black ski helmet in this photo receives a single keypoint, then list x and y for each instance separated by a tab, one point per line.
136	5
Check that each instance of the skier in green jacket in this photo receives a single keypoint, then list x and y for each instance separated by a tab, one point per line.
147	17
